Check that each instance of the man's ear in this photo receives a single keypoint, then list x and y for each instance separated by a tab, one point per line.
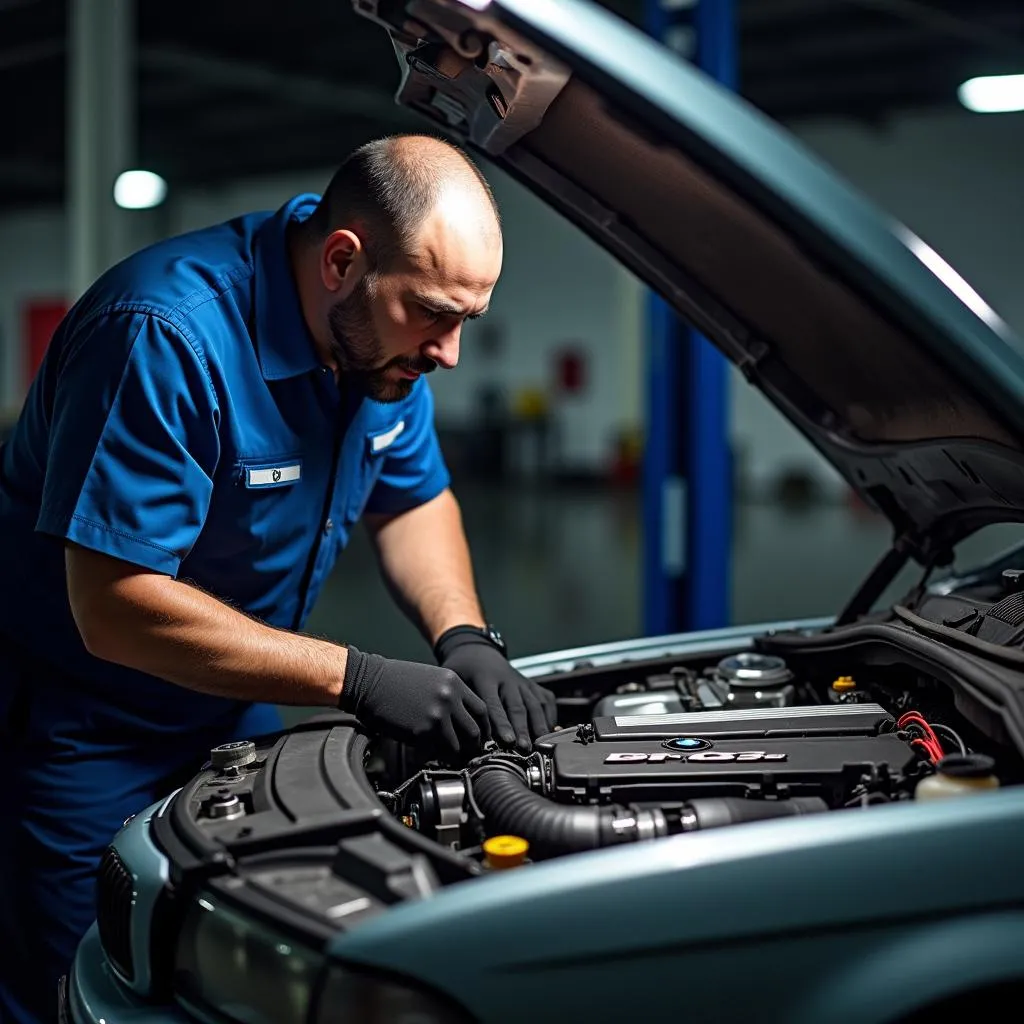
342	260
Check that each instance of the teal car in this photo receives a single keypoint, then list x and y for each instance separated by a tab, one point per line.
799	822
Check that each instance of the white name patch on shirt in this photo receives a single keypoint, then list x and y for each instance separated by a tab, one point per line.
381	441
273	476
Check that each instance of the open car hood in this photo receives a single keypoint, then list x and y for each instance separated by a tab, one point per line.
858	332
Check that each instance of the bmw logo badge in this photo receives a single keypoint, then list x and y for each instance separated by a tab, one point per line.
687	743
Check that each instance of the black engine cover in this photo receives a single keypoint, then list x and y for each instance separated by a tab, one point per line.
822	751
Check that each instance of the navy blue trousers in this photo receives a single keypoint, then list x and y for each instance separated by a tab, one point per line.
71	772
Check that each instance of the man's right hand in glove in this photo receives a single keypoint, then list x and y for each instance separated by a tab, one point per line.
427	707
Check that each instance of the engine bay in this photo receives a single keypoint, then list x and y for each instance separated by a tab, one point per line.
326	825
785	726
689	748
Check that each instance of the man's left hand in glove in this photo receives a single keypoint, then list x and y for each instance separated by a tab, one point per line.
518	708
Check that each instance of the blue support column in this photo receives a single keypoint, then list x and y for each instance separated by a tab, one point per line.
687	486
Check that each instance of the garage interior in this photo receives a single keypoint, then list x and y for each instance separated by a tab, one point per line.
544	424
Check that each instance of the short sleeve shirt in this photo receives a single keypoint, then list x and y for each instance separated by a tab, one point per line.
182	421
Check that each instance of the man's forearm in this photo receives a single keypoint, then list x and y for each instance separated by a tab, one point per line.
178	633
425	560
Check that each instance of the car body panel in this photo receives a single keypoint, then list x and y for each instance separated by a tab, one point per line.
670	645
742	143
680	900
880	975
150	871
96	993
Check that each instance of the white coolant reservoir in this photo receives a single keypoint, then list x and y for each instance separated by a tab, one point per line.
958	775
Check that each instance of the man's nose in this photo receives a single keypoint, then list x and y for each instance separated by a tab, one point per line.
444	349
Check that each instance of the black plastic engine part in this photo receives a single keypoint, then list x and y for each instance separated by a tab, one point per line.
651	770
816	751
510	806
690	766
713	812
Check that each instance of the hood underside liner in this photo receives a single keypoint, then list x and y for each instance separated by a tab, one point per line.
856	364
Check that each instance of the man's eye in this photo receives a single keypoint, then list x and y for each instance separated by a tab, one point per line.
430	315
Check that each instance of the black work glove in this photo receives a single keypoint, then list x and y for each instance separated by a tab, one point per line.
427	707
518	708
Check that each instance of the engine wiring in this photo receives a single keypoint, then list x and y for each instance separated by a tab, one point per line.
390	798
928	747
925	735
952	734
922	735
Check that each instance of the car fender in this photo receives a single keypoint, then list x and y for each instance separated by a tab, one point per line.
918	966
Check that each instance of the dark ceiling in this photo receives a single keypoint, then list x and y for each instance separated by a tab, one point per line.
229	89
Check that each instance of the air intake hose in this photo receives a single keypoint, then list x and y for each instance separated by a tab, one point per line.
509	806
715	811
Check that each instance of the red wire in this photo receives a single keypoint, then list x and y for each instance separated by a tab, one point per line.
932	755
931	743
911	716
935	744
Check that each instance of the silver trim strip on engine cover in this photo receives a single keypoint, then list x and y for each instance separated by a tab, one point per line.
696	718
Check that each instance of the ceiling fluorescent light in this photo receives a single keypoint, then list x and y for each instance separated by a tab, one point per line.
139	190
993	94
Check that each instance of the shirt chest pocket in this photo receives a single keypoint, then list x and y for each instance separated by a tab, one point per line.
375	447
261	473
264	503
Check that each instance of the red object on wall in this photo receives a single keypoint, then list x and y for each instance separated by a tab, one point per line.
571	370
40	318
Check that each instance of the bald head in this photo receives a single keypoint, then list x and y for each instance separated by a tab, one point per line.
403	248
389	189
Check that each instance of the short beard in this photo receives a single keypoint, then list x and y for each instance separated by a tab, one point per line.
358	351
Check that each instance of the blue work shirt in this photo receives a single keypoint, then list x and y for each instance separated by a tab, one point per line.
182	421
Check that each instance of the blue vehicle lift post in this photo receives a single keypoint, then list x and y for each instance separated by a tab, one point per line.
687	468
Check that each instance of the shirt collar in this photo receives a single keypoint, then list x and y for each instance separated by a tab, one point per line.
283	343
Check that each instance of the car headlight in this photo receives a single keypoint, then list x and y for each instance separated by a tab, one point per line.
349	995
243	969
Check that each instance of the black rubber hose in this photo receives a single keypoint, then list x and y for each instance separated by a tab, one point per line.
713	812
510	807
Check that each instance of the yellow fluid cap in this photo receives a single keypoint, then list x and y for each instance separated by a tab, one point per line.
843	684
505	851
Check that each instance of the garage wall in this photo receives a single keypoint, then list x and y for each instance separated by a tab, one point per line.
33	264
953	178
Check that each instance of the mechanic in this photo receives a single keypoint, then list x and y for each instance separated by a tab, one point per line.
211	419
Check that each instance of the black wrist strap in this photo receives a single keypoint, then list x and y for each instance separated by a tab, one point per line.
357	666
459	635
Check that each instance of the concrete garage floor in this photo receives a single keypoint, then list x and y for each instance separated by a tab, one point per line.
559	567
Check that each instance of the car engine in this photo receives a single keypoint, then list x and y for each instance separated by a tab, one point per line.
680	751
325	825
